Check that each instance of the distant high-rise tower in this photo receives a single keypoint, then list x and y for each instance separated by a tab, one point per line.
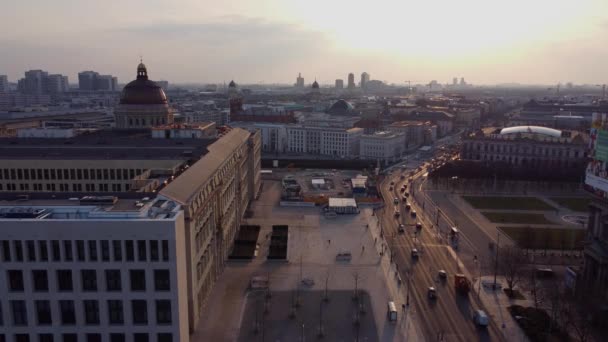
235	100
300	81
462	82
339	84
351	81
364	79
3	84
455	81
91	80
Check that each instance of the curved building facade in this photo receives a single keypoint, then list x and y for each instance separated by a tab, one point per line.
143	104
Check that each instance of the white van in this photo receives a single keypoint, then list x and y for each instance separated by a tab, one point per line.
392	312
481	319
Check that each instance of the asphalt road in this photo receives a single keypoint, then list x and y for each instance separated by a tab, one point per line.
451	314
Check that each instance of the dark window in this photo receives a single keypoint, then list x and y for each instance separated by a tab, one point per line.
98	172
22	338
115	312
162	281
41	280
15	280
164	337
44	251
165	250
19	174
105	250
68	316
117	337
89	280
64	280
19	312
112	174
138	280
31	250
92	250
93	337
53	174
153	250
140	337
86	173
6	250
67	249
56	249
129	248
45	337
113	281
117	247
141	250
80	250
18	250
79	173
46	174
163	311
72	174
105	173
140	311
70	338
91	311
43	312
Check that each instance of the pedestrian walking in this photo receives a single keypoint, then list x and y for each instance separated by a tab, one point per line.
329	242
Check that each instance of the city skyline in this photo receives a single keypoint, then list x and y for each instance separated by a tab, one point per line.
193	42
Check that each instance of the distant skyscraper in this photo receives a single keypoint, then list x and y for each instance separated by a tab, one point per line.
39	82
351	81
364	79
462	82
455	81
91	80
300	81
3	84
339	84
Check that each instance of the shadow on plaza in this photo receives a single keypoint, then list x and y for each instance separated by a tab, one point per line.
287	319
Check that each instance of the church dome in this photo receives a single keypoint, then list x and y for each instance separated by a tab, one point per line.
315	85
142	91
231	84
341	107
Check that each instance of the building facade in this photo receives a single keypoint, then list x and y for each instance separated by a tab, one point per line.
329	141
4	84
383	146
339	84
351	81
39	82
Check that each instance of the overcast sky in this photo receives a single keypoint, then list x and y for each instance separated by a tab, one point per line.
251	41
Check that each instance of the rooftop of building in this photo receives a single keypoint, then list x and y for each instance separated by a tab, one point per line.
104	144
537	133
406	123
88	208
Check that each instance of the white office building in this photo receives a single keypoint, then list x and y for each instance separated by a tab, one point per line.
96	270
383	146
329	141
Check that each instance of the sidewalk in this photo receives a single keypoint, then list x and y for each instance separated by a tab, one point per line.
496	302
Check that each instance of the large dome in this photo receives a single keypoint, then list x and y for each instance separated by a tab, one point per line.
142	91
341	107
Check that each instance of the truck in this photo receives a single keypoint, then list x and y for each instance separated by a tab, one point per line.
462	284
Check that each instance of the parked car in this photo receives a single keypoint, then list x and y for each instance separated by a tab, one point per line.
401	228
413	213
432	293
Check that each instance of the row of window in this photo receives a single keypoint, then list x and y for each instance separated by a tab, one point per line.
94	337
546	151
73	174
88	280
90	312
81	250
117	187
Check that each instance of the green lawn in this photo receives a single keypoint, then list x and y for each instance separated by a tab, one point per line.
516	218
545	238
507	203
573	203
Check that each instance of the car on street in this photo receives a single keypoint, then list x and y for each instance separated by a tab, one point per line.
443	275
418	225
408	206
415	253
432	292
401	228
406	194
402	177
413	213
396	200
392	183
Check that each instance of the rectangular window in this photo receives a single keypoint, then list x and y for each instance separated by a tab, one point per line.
163	311
53	174
43	312
79	173
89	280
67	250
22	338
69	338
105	250
91	312
56	249
40	280
93	337
80	250
64	280
165	250
59	174
140	337
18	250
43	250
98	172
112	174
139	308
66	308
141	250
15	280
153	250
72	174
45	337
129	248
164	337
46	174
31	250
6	250
86	173
115	312
117	247
113	280
19	312
92	250
115	337
162	281
138	280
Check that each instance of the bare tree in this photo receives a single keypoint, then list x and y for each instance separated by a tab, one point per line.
577	316
535	288
512	260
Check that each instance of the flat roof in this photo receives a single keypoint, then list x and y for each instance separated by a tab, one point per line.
532	129
342	202
318	181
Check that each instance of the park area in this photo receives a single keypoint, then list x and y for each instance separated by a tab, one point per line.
545	237
507	203
519	218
